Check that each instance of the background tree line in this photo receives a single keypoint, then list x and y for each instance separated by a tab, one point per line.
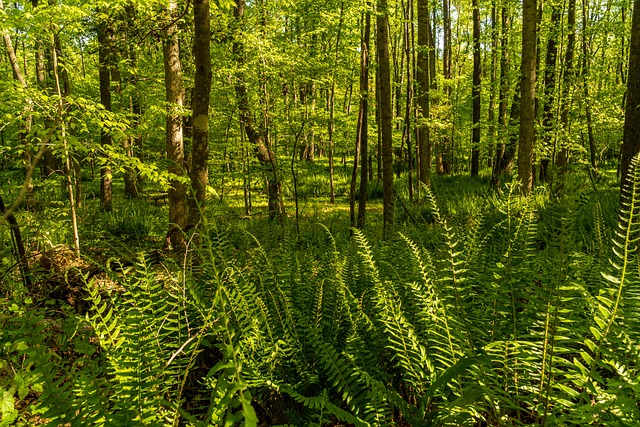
444	88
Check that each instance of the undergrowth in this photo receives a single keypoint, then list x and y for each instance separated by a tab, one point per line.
517	312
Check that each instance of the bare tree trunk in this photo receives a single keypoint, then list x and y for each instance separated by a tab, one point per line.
447	142
67	155
382	47
422	92
199	171
549	94
569	74
586	54
104	72
494	79
406	135
475	92
361	149
631	144
528	96
174	96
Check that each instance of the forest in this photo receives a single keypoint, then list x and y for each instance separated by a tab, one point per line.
320	213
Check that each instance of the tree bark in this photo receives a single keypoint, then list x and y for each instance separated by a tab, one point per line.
475	92
586	54
361	148
631	144
422	93
563	152
549	93
174	97
199	171
445	155
382	49
528	96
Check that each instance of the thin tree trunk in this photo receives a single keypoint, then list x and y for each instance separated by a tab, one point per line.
475	92
586	58
104	59
361	135
447	141
21	255
199	171
67	155
527	97
422	92
569	74
409	98
382	48
494	78
174	96
258	139
549	93
504	151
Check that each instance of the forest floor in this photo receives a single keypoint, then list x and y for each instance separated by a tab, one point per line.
117	241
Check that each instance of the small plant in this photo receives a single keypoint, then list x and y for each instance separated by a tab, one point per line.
131	223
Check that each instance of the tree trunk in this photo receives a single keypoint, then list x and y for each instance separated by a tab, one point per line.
256	137
445	155
494	79
585	82
549	93
422	93
363	112
475	92
104	73
528	96
382	47
631	144
199	171
406	135
504	151
569	73
174	96
18	75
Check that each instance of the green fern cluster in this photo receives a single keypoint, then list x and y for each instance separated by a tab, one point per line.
514	318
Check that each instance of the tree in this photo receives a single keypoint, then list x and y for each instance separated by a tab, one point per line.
199	171
361	146
256	135
384	86
528	95
475	95
631	143
104	72
422	94
569	73
174	96
549	92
